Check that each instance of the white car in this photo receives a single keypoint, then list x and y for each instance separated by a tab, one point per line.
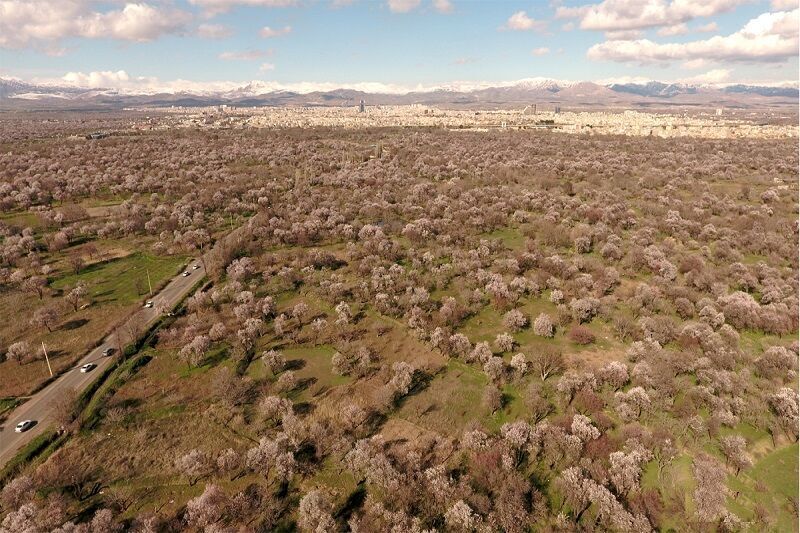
185	273
148	304
88	367
195	267
23	426
108	352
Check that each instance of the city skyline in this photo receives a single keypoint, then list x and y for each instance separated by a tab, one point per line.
397	45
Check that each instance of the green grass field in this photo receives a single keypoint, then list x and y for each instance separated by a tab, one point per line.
450	401
772	483
511	237
122	281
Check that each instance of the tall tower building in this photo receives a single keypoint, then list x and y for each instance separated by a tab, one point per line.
361	106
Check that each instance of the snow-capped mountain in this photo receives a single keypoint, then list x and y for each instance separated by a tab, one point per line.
19	93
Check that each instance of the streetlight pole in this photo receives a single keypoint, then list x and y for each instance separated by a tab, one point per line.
46	358
149	286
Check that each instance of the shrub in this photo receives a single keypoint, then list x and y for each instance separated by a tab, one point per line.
581	335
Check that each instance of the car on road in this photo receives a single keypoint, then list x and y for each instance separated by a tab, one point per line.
23	426
195	267
88	367
148	304
108	351
186	273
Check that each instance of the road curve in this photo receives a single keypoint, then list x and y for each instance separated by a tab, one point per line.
39	406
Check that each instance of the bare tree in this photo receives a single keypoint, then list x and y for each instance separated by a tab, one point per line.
19	351
35	285
74	296
314	512
194	464
77	263
735	449
46	317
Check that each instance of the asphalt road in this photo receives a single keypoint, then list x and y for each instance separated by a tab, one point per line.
39	407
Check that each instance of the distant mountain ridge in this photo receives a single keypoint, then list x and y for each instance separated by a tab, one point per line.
16	93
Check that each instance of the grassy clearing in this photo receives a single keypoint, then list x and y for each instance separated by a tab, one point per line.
511	237
122	281
488	323
772	484
312	366
21	219
450	402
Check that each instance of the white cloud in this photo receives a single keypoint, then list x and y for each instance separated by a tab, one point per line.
675	29
615	15
623	35
214	31
541	51
784	4
403	6
443	6
136	22
212	8
246	55
465	60
36	22
621	80
711	27
266	67
105	78
520	21
694	64
720	75
269	33
768	37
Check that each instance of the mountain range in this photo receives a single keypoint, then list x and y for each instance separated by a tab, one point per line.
18	94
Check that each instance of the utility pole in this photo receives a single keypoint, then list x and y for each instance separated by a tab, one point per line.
149	286
46	358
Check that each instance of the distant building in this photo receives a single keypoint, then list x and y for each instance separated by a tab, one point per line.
719	111
361	106
96	135
558	109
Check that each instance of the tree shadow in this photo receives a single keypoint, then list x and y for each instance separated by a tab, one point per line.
419	382
375	420
354	501
74	324
215	358
52	354
505	400
304	408
432	408
128	403
307	453
295	364
305	383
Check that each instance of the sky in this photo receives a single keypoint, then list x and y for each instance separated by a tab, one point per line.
395	45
